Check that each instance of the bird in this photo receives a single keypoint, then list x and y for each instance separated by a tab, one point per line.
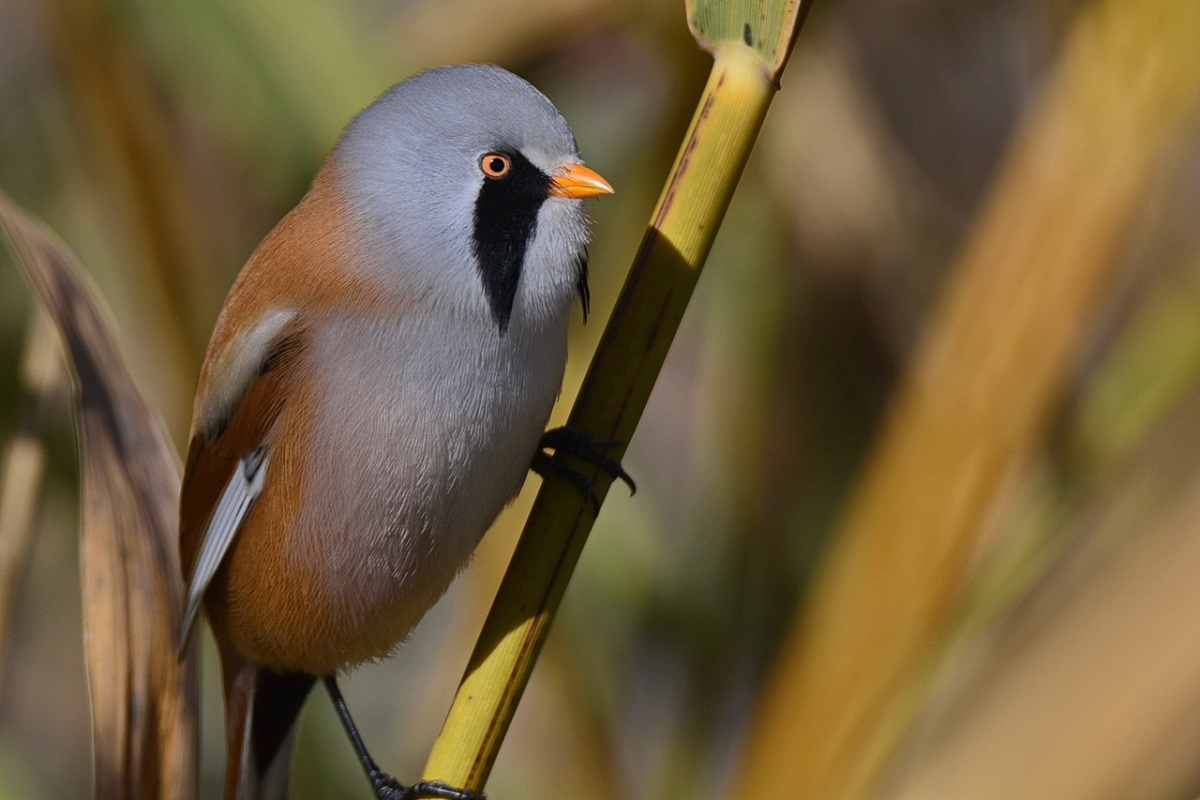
375	390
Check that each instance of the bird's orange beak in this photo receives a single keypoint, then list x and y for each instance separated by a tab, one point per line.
578	181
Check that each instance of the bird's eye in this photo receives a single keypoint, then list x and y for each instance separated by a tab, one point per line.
495	165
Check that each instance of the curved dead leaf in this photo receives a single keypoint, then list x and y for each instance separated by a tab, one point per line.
143	698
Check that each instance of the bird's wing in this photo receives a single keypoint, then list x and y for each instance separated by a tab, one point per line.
229	454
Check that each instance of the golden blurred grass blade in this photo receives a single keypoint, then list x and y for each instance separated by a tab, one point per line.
1088	690
614	393
976	402
143	699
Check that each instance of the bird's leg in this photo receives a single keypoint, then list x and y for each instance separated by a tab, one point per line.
386	787
574	442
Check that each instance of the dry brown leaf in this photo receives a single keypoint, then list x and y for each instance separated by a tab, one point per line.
143	698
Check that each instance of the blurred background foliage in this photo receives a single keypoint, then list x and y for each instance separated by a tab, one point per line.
163	139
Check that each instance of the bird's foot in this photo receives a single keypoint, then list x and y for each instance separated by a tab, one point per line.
574	442
388	788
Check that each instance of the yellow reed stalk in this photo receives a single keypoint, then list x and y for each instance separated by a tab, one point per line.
622	373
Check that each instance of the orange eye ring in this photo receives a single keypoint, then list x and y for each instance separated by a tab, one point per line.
495	165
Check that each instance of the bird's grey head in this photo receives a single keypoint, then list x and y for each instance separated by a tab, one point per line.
450	171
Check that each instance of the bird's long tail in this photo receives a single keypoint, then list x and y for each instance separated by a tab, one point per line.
260	719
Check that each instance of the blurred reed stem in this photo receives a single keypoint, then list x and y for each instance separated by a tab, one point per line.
977	401
130	142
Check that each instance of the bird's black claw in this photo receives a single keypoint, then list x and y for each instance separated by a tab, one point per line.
388	788
550	467
574	442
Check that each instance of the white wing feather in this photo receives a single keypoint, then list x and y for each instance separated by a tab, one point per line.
235	502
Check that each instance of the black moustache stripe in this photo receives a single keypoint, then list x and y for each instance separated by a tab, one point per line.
506	214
